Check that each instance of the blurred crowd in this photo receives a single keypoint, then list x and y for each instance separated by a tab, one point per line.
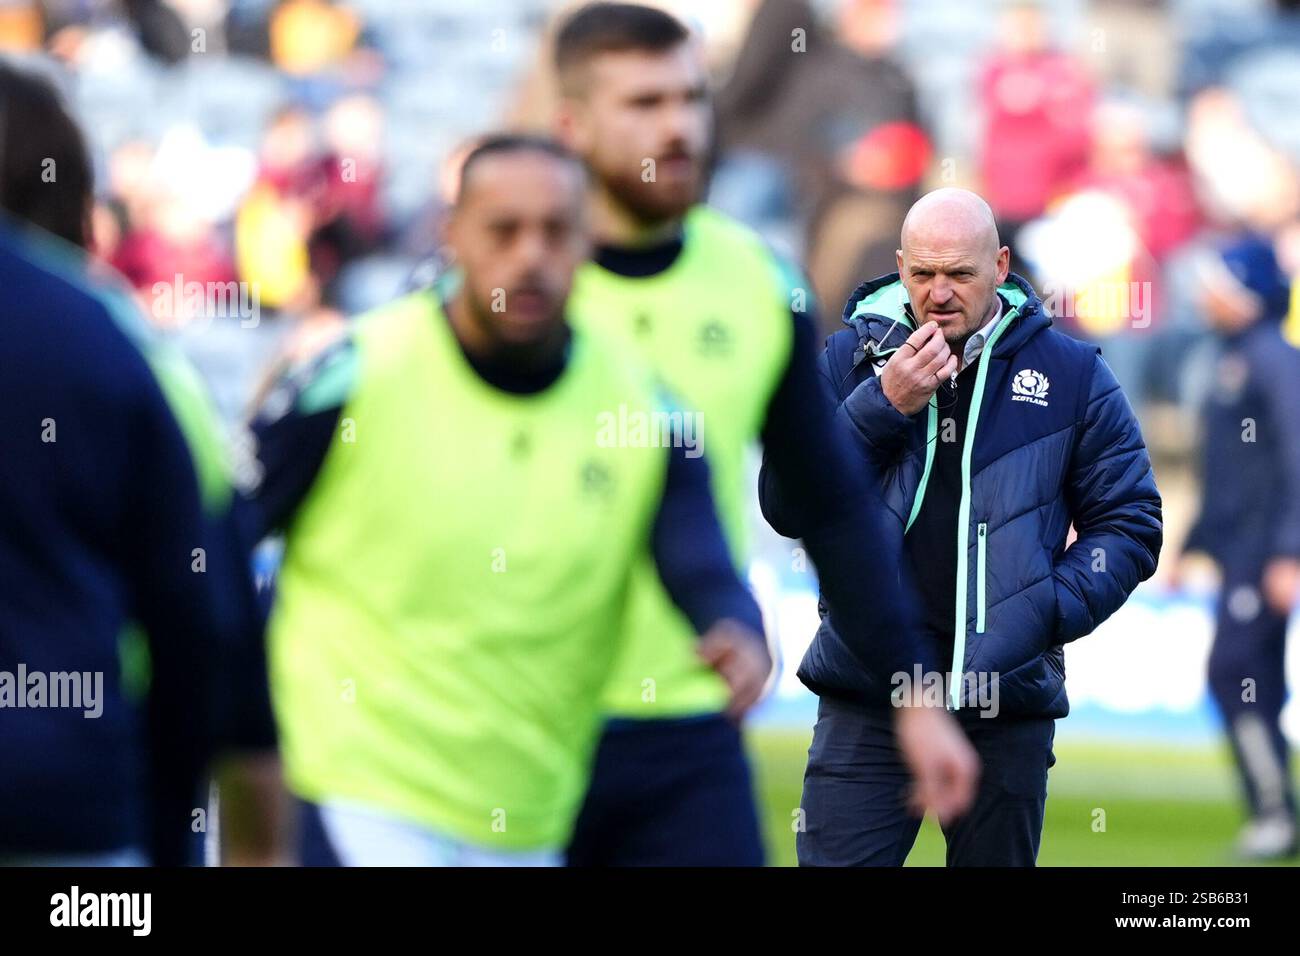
294	150
1111	172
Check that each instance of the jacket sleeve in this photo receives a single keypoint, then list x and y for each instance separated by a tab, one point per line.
193	595
1197	538
1113	501
878	428
181	613
864	423
782	512
690	550
292	433
821	490
1280	377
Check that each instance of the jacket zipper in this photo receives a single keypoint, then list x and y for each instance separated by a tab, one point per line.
963	518
931	435
981	563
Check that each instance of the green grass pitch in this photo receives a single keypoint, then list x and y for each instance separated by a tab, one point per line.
1173	806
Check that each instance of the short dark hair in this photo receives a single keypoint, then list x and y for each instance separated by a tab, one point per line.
612	28
503	144
35	129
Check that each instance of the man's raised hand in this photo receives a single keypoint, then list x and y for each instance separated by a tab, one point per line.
917	369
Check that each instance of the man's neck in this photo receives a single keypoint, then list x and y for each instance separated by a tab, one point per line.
613	224
467	329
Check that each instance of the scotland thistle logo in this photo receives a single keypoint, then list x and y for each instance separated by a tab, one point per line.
1030	385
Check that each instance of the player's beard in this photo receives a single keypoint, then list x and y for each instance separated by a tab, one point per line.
652	202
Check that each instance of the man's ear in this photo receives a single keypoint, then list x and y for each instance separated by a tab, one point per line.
898	260
1004	264
447	233
566	122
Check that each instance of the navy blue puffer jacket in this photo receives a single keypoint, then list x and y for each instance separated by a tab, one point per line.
1051	441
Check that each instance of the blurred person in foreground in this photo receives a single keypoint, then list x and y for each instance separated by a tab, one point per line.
1250	525
993	434
728	327
459	543
126	593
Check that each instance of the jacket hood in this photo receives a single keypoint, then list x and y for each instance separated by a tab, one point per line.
878	310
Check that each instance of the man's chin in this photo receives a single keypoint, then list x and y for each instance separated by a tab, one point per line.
522	340
529	334
660	203
951	324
